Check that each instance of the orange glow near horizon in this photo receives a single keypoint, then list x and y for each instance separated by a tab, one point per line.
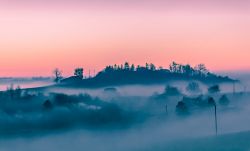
34	42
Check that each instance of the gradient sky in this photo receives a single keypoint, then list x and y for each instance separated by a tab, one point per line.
37	36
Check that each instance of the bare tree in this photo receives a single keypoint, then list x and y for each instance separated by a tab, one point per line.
58	75
201	69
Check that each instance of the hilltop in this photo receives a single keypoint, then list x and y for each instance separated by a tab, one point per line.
129	74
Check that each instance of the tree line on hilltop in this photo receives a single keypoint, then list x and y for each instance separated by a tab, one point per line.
138	73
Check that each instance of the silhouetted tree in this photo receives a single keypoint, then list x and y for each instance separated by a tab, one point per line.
47	105
58	75
181	108
138	67
132	67
171	91
214	89
152	67
173	67
110	69
115	67
79	72
147	66
211	101
224	100
18	92
118	67
180	68
126	66
201	69
10	91
187	70
193	87
14	93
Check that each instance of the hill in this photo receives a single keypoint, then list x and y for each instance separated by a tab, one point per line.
145	75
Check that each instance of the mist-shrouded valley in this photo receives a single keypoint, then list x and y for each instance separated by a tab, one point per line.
187	113
124	75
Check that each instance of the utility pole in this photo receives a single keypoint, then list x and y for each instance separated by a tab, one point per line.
166	108
212	102
215	119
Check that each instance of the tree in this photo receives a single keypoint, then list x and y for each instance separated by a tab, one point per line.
132	67
18	92
152	67
109	69
147	66
79	72
201	69
224	100
121	67
193	87
14	93
126	66
138	67
115	67
173	67
214	89
187	69
171	91
47	105
10	91
181	108
58	75
180	68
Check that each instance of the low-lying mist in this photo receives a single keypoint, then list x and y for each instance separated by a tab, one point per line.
154	117
24	82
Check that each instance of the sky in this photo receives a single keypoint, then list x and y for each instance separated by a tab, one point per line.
38	36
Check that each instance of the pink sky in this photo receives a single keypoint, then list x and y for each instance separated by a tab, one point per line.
36	37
